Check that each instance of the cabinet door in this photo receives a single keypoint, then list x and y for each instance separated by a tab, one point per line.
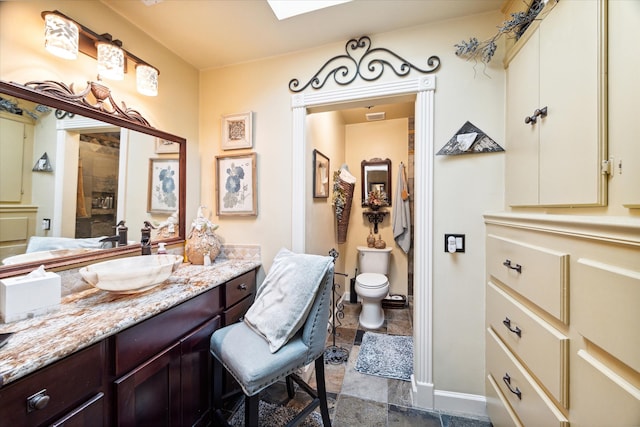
522	139
150	394
12	135
196	374
571	77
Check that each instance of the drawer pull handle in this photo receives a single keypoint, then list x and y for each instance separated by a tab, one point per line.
507	381
507	322
517	267
38	401
242	287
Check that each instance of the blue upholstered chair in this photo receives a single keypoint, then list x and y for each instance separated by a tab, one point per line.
248	357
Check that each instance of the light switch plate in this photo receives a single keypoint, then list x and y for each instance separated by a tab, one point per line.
459	242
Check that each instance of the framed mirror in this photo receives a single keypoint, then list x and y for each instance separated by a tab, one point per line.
376	178
74	164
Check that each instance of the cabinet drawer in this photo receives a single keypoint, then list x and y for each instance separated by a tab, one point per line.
66	383
533	407
240	287
144	340
539	274
234	314
544	350
605	308
90	413
498	408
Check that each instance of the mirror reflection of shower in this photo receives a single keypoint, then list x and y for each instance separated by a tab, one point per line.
96	202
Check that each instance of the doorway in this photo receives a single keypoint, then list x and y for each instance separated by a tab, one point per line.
423	88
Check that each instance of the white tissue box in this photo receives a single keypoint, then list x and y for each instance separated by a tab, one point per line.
22	297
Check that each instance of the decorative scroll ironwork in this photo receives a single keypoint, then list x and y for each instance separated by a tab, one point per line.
104	102
369	65
334	354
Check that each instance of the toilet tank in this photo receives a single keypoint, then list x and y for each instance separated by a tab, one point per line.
372	260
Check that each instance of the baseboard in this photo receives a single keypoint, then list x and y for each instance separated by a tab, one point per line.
463	403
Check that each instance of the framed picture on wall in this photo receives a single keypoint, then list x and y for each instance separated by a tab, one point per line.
236	131
320	175
164	146
162	195
236	185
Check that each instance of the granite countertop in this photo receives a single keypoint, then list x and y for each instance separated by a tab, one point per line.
89	316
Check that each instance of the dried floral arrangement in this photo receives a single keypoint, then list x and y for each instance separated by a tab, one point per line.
515	27
377	199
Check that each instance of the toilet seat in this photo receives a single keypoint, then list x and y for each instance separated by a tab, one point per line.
372	280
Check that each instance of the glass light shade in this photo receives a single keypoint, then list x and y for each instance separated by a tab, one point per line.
147	80
110	61
60	36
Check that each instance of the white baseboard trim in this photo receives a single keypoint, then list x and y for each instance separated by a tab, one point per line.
421	394
470	404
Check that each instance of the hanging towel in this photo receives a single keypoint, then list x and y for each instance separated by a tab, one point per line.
402	214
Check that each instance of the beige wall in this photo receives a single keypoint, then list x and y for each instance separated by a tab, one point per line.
386	139
175	109
465	186
325	133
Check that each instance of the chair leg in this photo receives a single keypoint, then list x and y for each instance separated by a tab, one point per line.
251	404
291	391
322	391
218	373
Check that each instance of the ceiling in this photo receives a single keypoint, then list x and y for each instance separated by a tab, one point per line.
216	33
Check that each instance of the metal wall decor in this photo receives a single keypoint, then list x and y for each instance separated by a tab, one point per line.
368	65
104	102
469	140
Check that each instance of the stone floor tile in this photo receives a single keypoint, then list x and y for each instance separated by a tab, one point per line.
352	412
409	417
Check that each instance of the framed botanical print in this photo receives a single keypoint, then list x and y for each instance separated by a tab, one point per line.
236	185
162	195
320	175
237	131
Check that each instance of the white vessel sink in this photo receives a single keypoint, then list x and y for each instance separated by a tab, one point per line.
131	275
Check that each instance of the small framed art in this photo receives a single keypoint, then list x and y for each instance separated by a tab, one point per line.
165	146
237	131
162	195
320	175
236	185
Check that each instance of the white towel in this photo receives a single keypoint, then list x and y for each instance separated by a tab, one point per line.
401	215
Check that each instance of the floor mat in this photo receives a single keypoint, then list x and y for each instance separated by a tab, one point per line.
389	356
272	415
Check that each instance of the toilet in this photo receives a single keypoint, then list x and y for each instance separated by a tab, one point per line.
372	284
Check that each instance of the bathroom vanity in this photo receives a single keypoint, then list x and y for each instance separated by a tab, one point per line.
134	359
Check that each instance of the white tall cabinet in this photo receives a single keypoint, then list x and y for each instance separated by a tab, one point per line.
556	109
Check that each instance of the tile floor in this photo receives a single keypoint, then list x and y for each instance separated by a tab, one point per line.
357	399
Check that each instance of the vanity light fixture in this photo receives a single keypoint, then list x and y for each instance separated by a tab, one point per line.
147	79
110	60
63	33
60	36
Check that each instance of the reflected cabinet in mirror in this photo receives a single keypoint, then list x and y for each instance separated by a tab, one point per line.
376	183
79	176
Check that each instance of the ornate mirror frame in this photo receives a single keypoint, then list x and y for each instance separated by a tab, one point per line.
94	102
377	164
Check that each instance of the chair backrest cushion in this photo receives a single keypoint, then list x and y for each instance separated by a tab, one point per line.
286	296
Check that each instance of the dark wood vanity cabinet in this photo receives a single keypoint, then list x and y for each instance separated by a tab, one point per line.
155	373
67	389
